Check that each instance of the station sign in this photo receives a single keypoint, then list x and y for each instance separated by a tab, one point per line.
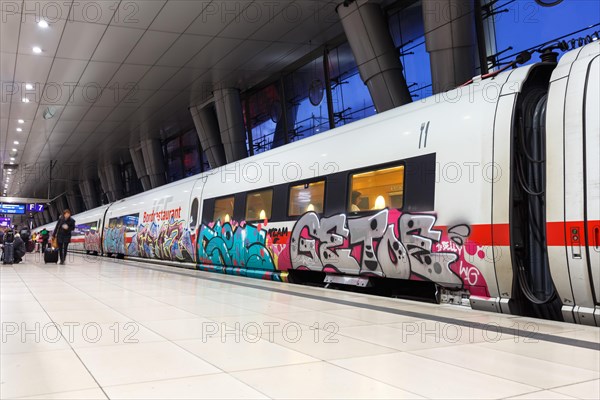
4	222
6	208
35	207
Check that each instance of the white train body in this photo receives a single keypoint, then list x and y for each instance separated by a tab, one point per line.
460	195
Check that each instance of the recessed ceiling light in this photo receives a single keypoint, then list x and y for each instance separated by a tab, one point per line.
36	50
16	142
14	149
12	159
21	121
19	130
28	86
25	100
42	24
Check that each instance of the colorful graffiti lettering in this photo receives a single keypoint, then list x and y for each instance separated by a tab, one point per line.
114	240
238	245
387	243
92	241
170	240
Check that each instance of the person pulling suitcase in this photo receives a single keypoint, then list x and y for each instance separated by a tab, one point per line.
62	233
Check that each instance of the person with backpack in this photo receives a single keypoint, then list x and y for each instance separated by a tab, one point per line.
62	233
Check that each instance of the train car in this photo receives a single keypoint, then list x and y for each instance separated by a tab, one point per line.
87	235
487	194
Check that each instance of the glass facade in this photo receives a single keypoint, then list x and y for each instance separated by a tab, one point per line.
183	156
526	25
408	33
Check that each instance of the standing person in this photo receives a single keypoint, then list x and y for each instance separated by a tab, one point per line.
45	235
62	233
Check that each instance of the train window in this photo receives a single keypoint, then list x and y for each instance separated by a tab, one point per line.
306	197
258	205
131	222
377	189
194	214
223	209
113	222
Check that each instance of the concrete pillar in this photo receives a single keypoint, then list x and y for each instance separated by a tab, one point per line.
207	128
46	215
112	184
154	162
88	193
140	168
231	123
451	42
61	204
376	56
74	200
54	213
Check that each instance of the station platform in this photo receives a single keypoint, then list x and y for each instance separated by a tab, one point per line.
100	328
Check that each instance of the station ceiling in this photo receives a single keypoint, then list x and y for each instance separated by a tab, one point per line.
109	71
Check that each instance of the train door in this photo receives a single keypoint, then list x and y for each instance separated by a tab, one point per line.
592	159
194	219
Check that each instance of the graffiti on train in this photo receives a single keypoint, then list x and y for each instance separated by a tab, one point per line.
168	240
240	245
388	244
114	240
92	241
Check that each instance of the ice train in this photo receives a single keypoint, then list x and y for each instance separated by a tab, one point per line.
489	193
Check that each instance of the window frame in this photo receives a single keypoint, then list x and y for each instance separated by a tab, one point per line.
306	182
232	196
248	194
374	168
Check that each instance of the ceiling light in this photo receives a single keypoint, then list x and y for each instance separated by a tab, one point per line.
42	24
25	100
12	159
19	130
14	149
15	142
21	121
37	50
28	86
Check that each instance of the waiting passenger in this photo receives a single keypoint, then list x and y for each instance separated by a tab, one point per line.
355	198
18	249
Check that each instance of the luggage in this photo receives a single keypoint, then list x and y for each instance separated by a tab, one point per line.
8	253
30	246
51	255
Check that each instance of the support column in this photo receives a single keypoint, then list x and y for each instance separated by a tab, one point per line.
113	185
451	42
54	213
207	128
46	215
154	162
378	60
231	123
88	193
61	204
73	200
140	167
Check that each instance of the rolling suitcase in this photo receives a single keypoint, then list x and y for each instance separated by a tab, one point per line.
30	246
8	253
51	255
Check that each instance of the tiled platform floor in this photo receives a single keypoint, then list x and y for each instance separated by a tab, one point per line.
132	330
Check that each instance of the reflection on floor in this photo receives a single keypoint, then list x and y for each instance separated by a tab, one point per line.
98	328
